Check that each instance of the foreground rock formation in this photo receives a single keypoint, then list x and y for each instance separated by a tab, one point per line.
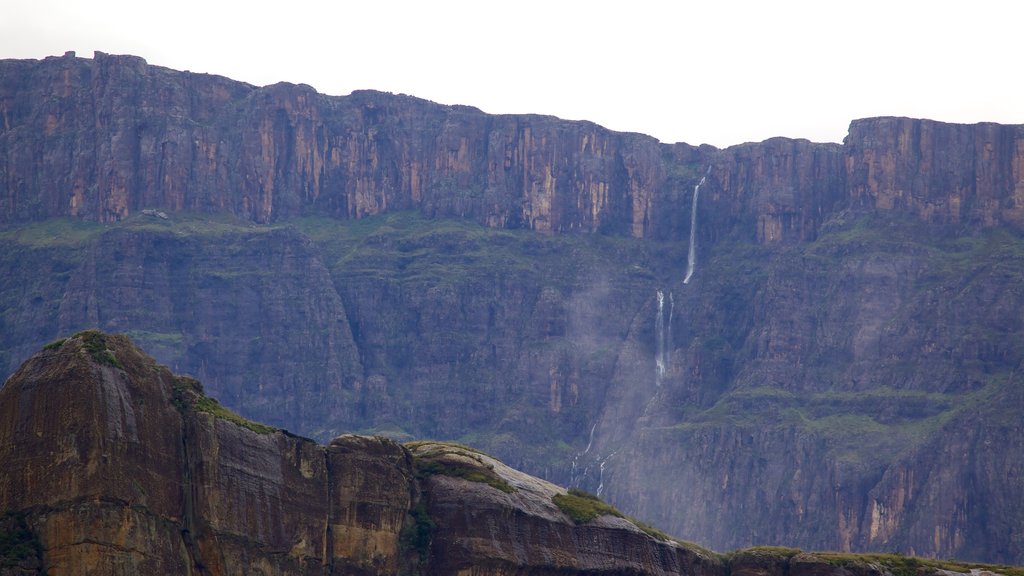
842	372
120	467
113	465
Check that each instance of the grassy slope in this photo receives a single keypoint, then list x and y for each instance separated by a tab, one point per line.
406	250
951	273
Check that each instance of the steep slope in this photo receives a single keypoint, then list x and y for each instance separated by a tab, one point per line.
874	355
115	466
844	356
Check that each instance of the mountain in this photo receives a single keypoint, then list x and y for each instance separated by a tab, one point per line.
113	465
840	372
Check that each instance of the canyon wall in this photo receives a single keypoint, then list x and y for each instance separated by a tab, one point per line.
835	374
113	465
106	137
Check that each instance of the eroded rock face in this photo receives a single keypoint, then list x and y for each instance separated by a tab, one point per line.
853	305
112	465
119	467
108	137
941	173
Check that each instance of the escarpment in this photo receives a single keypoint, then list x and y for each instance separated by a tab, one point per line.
113	465
119	467
834	375
107	137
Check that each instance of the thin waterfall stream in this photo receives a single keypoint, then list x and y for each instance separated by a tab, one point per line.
691	257
663	349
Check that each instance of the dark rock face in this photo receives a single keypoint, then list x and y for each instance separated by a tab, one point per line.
833	378
117	466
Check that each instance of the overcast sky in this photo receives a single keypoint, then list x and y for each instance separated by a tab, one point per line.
714	71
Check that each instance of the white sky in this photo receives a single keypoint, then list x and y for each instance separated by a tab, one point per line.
715	71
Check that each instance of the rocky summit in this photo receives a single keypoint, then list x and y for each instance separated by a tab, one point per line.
113	465
780	343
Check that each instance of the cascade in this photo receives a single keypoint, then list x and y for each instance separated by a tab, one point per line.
659	340
600	478
691	258
668	329
573	476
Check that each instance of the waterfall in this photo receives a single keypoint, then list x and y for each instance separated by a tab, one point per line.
659	340
668	329
691	259
573	476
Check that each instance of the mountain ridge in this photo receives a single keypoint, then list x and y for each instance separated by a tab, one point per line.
173	141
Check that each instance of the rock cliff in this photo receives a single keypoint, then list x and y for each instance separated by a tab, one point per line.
113	465
834	376
116	466
107	137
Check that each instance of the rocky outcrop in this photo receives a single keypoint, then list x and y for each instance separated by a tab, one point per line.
117	466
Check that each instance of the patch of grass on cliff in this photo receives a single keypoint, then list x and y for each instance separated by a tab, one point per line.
911	565
95	343
55	344
433	464
860	427
18	544
650	530
408	247
442	447
193	224
188	394
774	551
582	506
54	232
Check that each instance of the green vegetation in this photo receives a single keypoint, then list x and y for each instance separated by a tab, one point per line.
448	459
769	551
55	344
867	426
912	566
583	506
894	564
407	246
416	535
651	530
95	342
189	395
18	544
55	232
431	448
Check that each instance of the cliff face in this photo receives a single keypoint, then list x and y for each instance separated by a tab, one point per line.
372	263
115	466
125	136
118	467
940	173
105	138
